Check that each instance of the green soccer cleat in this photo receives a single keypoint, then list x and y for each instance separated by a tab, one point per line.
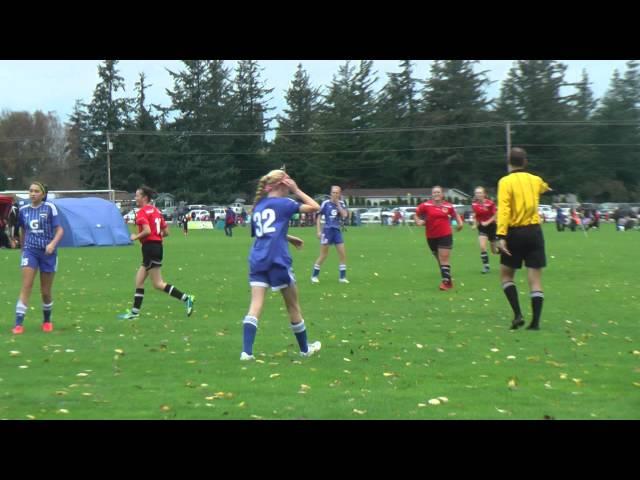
189	302
128	315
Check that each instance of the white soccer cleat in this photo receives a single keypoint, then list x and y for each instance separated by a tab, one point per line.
311	349
343	280
315	280
245	357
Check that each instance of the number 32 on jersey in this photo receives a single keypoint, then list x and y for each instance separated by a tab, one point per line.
264	221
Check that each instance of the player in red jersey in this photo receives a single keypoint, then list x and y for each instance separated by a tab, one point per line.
436	214
484	219
152	228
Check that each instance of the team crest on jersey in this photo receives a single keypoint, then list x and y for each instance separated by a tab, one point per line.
444	209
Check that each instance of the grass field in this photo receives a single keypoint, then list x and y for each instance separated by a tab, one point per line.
391	340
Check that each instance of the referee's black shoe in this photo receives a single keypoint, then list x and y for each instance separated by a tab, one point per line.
517	322
533	326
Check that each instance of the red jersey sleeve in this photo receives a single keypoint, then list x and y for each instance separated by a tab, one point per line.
492	208
421	211
141	218
452	211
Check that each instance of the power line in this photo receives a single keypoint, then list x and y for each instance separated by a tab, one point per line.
422	128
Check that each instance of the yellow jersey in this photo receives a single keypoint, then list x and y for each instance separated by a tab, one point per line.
518	197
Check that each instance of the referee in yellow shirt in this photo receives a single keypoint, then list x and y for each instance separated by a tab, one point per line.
520	235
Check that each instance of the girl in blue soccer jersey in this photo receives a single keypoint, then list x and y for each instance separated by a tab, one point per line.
40	233
269	259
334	211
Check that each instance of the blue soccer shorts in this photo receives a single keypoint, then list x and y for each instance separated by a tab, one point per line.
331	236
277	277
39	260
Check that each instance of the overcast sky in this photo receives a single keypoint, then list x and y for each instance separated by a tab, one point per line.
54	85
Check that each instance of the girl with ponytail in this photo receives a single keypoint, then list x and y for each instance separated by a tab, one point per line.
270	264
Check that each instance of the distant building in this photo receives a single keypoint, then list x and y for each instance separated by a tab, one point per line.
165	200
565	198
390	196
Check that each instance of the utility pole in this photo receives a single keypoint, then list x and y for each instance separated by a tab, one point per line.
508	133
109	146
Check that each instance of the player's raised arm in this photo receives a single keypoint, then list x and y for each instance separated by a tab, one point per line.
309	204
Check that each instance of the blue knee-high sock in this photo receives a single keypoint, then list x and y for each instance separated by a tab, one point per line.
343	271
250	328
300	331
21	311
316	270
46	310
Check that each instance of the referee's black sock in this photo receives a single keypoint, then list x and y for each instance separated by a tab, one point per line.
174	292
511	292
137	300
537	299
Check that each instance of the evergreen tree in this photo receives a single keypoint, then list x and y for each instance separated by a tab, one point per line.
78	147
144	165
107	113
300	116
250	108
455	94
397	108
533	92
621	103
199	166
349	106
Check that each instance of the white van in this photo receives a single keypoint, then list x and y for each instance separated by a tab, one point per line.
547	213
218	212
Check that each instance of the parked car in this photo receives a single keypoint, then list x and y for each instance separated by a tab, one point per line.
216	212
547	213
200	215
130	217
169	213
408	214
374	215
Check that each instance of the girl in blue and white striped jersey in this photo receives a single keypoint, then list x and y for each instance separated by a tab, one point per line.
40	233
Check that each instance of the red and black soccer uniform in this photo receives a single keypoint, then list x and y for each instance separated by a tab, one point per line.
438	227
152	252
438	231
152	243
483	211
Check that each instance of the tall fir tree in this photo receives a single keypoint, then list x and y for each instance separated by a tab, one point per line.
108	112
621	103
349	107
455	94
250	120
295	129
535	90
397	109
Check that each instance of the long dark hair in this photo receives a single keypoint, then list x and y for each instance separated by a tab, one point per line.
147	192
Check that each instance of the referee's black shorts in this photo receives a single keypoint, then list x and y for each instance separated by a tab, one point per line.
488	231
525	243
151	255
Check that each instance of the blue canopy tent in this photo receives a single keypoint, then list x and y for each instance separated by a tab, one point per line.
91	221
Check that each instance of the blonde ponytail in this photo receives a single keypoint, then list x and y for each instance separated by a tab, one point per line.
274	176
